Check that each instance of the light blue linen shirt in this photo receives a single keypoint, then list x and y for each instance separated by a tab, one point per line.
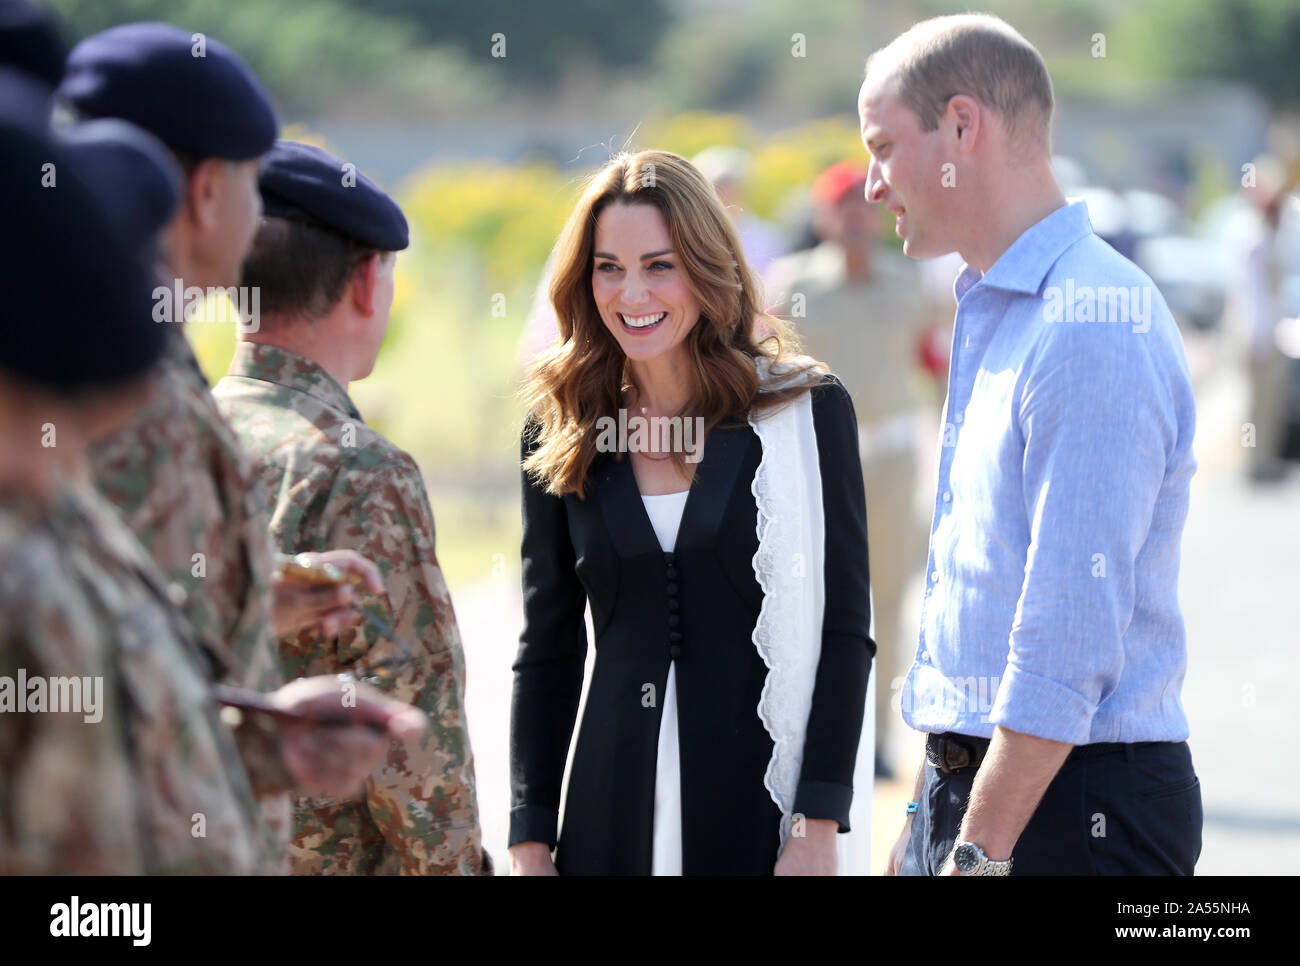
1051	600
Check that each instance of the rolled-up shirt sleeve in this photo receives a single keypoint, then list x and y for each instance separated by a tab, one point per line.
1098	424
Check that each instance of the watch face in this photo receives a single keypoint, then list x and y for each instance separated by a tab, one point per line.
966	858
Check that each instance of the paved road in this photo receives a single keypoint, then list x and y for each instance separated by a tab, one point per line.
1240	591
1241	600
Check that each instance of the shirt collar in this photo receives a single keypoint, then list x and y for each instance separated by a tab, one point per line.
272	364
1026	263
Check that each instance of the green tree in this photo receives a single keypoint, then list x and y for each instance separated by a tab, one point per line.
1254	41
542	38
305	51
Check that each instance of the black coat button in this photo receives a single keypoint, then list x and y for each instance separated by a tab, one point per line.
674	652
669	559
671	573
673	620
673	604
675	636
672	590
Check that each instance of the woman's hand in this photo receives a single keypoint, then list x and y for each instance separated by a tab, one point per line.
812	853
894	865
531	858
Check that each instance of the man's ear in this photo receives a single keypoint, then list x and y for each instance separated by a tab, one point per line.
966	117
365	281
204	190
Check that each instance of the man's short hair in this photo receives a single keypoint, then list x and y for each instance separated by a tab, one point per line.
301	269
975	54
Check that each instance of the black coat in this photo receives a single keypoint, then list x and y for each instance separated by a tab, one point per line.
698	606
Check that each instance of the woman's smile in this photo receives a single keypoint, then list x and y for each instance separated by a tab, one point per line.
641	324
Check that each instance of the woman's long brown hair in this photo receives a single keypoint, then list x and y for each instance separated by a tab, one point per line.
580	378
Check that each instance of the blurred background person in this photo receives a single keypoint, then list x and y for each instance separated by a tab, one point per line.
861	306
1265	234
727	168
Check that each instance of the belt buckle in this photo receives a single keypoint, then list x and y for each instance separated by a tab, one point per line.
956	754
948	754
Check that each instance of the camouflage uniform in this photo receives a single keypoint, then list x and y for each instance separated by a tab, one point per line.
156	786
186	488
335	482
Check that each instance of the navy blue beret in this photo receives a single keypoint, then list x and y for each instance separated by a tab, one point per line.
77	311
133	176
26	99
151	74
301	182
30	43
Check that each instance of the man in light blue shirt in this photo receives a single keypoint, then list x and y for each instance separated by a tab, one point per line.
1052	651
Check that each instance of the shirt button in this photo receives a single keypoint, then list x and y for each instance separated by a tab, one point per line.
674	652
177	594
947	497
934	576
925	655
960	416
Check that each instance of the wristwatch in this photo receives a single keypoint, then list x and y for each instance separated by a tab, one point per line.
971	860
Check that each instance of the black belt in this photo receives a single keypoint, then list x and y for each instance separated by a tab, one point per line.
951	752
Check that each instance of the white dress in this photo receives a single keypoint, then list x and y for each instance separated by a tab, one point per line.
665	513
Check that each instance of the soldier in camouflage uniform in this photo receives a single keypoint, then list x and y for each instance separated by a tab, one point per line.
323	261
186	488
176	472
155	781
139	775
113	756
83	600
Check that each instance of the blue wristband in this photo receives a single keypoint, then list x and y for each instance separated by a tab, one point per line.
912	807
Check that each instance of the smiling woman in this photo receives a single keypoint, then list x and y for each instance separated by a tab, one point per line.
648	238
722	722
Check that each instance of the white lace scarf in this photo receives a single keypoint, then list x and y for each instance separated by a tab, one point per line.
790	569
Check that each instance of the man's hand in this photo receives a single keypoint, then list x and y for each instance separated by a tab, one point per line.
299	603
531	858
335	759
1010	783
812	853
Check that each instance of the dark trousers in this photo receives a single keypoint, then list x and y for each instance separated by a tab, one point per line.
1130	810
